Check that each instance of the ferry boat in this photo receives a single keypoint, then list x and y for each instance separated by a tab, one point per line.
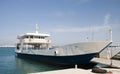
36	46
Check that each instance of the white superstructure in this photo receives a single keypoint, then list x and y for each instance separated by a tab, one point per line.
33	41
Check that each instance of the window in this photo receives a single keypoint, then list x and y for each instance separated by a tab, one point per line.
31	36
36	37
27	37
42	37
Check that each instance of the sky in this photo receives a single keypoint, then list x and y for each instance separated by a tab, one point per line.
67	21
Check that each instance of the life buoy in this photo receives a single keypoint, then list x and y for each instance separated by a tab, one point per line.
29	39
48	41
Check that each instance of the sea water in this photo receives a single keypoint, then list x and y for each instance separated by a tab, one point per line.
10	64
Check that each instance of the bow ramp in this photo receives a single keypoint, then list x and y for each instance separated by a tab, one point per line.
109	52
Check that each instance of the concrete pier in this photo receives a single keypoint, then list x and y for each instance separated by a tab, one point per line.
114	63
78	71
67	71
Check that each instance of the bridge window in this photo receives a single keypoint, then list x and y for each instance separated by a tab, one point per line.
31	36
39	37
27	37
36	37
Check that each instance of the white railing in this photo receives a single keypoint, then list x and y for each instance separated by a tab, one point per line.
36	41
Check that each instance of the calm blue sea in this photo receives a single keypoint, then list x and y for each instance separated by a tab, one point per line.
10	64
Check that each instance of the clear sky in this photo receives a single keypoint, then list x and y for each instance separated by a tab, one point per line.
67	21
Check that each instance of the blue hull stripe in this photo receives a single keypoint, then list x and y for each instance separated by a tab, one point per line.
68	60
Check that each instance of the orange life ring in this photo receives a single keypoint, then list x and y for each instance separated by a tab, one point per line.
48	41
29	39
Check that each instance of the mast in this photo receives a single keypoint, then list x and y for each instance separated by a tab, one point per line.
110	30
36	29
110	51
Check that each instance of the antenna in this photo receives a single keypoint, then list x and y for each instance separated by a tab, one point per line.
36	29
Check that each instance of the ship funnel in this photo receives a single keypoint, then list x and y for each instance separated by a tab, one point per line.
36	29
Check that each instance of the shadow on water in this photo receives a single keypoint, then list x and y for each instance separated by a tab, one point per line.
29	66
36	66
